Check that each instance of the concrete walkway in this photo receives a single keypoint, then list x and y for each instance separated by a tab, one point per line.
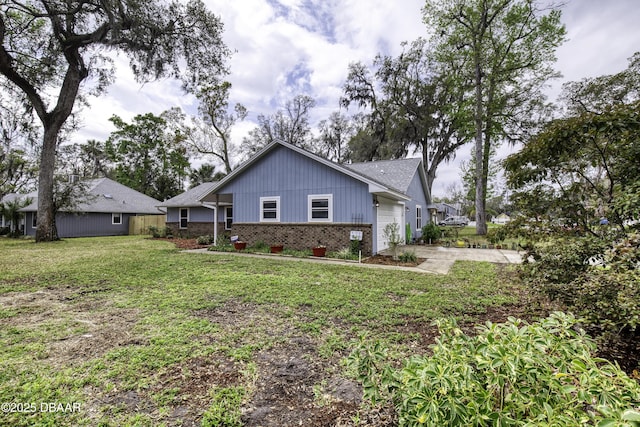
438	259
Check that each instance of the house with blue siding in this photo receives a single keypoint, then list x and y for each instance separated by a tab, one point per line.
287	195
188	216
104	211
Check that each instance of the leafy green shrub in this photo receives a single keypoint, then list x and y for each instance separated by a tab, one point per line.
608	295
355	246
344	253
205	240
155	232
497	235
431	233
297	253
511	374
408	256
391	235
557	262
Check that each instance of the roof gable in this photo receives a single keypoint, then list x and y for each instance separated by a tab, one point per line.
374	185
191	197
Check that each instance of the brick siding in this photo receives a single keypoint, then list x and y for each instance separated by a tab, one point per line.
194	229
303	236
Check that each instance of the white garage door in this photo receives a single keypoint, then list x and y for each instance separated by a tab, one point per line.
388	211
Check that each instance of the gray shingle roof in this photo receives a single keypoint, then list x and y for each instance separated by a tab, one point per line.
108	196
190	198
396	174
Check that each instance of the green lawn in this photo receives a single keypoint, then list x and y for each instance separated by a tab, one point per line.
136	333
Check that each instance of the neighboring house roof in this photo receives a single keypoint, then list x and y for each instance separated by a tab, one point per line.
375	186
105	195
190	198
11	197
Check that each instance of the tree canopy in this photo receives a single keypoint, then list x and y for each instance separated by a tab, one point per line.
289	124
149	155
211	133
49	48
581	169
411	105
503	51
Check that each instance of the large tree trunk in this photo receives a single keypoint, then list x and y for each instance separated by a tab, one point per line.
46	229
481	217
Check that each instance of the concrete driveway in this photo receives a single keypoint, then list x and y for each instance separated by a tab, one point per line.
439	259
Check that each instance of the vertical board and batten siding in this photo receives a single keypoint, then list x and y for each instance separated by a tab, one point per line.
293	176
84	225
416	192
196	214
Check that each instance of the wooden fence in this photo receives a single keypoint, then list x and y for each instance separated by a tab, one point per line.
140	224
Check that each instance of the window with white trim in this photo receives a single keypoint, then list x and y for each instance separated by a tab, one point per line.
270	209
228	217
116	218
184	217
320	208
418	217
34	220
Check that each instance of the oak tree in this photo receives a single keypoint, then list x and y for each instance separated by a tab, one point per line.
411	106
50	48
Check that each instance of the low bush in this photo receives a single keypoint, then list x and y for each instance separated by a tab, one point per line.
431	233
205	240
594	280
408	256
511	374
154	231
344	253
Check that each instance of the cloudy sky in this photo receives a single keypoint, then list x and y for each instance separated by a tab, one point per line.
290	47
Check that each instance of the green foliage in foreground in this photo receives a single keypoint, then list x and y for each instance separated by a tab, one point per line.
512	374
606	294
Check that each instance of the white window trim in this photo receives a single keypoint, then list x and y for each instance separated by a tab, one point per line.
261	210
180	218
311	198
226	217
113	218
419	207
34	220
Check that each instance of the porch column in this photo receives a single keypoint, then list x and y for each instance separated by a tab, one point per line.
215	222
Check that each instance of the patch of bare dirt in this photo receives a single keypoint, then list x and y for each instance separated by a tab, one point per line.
388	260
183	243
84	325
294	385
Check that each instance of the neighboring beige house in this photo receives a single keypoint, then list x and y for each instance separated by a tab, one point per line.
503	218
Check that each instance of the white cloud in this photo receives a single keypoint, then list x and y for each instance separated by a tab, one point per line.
284	47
